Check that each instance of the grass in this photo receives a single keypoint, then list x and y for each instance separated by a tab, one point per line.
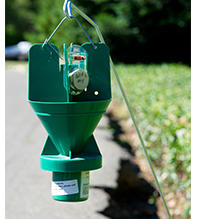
160	99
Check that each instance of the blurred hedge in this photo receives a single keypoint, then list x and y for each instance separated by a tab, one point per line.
160	98
135	30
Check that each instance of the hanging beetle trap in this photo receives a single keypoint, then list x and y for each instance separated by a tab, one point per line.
64	99
70	99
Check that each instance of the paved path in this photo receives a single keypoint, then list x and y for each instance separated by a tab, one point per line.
28	188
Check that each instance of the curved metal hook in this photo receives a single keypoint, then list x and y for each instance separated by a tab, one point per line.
65	9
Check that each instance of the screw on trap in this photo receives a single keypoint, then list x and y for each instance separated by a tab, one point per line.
70	100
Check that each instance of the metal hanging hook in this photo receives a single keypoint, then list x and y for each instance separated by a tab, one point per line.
66	10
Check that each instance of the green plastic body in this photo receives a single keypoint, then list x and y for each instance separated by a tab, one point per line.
70	149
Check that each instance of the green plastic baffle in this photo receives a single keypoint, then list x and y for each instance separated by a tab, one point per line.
70	150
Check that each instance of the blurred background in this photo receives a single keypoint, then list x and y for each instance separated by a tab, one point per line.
150	43
145	30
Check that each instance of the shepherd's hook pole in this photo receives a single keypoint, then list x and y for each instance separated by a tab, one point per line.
126	102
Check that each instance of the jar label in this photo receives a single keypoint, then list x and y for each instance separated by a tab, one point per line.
68	187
